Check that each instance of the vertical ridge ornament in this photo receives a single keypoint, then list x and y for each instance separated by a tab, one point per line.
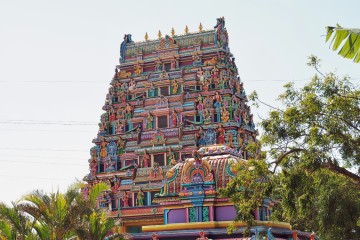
186	29
200	27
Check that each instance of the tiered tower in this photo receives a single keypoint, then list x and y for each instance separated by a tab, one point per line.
175	123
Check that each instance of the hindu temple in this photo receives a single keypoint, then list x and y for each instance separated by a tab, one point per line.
175	123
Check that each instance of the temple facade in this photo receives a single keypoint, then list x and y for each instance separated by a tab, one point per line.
175	123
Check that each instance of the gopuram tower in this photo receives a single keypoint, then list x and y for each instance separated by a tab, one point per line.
175	122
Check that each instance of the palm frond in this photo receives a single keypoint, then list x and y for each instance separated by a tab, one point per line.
345	39
96	190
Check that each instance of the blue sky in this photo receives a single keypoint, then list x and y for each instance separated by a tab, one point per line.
57	59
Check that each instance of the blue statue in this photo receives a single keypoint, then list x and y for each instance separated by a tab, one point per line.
127	39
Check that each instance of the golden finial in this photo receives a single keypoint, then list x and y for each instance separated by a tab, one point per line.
186	30
172	32
146	36
200	27
159	34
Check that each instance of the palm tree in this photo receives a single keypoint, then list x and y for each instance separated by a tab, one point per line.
14	224
63	215
92	223
95	227
51	213
346	38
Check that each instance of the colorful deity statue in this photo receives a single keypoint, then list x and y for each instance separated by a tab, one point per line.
115	184
225	115
237	115
152	90
207	75
207	116
93	166
120	146
214	74
220	134
206	85
132	85
175	87
129	110
200	75
171	158
138	69
173	63
119	127
125	200
103	150
217	97
200	108
222	81
200	137
149	121
140	198
158	65
145	160
138	132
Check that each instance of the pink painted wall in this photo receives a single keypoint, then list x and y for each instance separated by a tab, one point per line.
177	216
225	213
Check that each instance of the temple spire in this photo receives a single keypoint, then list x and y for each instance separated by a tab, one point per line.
172	31
146	36
159	34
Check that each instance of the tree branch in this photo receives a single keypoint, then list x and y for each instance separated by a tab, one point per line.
279	160
334	168
269	105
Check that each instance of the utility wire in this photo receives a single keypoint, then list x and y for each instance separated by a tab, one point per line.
44	149
36	156
44	130
39	178
35	162
249	80
38	122
23	120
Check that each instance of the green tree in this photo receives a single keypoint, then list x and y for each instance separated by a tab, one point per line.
312	147
92	223
62	215
347	39
14	224
95	227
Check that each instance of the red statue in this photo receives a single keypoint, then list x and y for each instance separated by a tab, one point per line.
221	134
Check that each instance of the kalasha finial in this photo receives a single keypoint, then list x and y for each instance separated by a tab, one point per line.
146	36
172	31
200	27
186	30
159	34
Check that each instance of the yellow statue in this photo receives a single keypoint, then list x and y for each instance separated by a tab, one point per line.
175	87
225	115
138	69
103	151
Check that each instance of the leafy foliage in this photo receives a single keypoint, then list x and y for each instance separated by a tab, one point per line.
320	201
313	156
56	216
346	38
252	178
14	224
